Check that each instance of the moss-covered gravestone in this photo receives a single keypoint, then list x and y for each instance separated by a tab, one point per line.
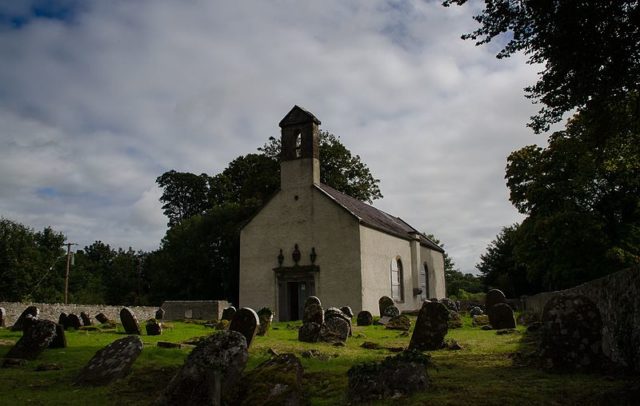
35	339
400	322
30	311
365	318
309	332
431	327
129	321
266	317
210	374
383	303
277	381
111	362
501	316
475	311
313	313
334	330
245	322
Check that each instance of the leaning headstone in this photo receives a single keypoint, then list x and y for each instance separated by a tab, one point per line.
29	311
3	317
334	330
431	327
309	332
160	314
210	373
129	321
383	303
494	296
153	327
347	310
391	311
34	340
313	313
228	313
111	362
245	322
364	318
73	321
475	311
501	316
277	381
401	375
400	322
86	319
102	318
60	340
266	317
571	334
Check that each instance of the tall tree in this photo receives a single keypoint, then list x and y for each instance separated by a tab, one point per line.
183	195
590	50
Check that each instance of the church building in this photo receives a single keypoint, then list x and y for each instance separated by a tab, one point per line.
310	239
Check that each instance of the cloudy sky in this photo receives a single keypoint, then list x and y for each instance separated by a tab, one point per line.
98	98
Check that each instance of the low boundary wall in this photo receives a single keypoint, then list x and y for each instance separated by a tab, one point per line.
51	311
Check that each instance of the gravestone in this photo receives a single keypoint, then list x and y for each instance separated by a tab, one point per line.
60	340
35	339
475	311
265	315
571	334
159	314
312	299
400	322
501	316
313	313
455	320
129	321
309	332
210	374
111	362
29	311
494	296
62	319
431	327
383	303
245	322
3	317
86	319
228	313
334	330
480	320
347	310
335	312
276	381
73	321
153	327
102	319
364	318
391	311
451	305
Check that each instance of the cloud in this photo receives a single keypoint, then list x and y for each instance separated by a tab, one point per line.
98	102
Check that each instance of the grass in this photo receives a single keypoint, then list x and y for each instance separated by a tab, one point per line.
482	373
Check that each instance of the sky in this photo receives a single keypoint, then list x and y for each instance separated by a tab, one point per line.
99	98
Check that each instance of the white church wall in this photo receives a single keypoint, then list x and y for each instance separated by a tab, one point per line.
435	263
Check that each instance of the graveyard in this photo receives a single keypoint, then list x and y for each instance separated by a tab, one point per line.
475	366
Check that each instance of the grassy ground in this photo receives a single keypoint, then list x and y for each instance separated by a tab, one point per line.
482	373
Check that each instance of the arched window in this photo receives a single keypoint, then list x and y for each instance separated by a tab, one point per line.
424	281
397	292
298	145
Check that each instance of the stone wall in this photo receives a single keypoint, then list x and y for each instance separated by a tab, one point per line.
194	309
51	311
617	297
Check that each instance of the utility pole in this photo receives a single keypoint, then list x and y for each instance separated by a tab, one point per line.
66	276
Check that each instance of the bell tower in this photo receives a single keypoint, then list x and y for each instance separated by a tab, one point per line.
299	164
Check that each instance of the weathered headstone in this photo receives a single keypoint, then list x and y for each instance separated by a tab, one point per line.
313	313
73	321
129	321
475	311
153	327
571	334
228	313
160	314
111	362
347	310
277	381
34	340
210	373
391	311
266	317
494	296
383	303
62	319
335	312
309	332
480	320
400	322
86	319
451	305
3	317
334	329
102	318
401	375
431	327
455	320
245	322
501	316
312	299
364	318
60	340
29	311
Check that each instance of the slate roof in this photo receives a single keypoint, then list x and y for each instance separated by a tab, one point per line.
298	115
375	218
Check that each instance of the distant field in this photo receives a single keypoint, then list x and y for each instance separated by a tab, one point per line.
482	373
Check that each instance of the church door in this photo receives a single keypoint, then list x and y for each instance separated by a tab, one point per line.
291	297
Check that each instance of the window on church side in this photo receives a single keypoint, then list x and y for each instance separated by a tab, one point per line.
397	293
424	281
298	145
